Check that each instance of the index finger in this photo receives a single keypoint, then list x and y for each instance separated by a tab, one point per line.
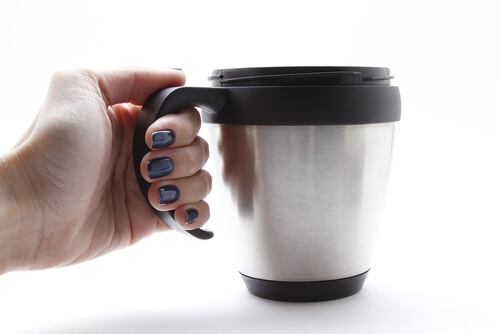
134	85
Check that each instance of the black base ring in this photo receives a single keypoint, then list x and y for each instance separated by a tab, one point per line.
314	291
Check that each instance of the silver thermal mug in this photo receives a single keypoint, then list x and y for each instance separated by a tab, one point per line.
305	155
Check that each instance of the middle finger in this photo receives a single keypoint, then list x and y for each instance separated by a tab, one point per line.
175	163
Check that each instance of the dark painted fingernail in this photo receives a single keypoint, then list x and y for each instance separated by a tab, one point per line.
168	194
162	139
160	168
192	216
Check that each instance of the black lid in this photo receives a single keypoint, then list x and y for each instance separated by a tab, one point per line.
301	76
305	96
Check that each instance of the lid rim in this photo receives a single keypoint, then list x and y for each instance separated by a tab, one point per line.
300	76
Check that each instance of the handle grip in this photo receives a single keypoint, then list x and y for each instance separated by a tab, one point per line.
161	103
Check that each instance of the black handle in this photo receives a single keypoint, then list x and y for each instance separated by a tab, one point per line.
168	101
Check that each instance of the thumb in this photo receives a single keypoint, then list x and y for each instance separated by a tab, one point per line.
135	85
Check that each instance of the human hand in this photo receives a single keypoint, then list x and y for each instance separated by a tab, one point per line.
68	191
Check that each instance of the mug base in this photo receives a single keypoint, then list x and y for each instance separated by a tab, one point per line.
314	291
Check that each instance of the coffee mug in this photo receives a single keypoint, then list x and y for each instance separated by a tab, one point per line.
305	155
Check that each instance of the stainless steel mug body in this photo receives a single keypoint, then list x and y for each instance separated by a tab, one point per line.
306	200
305	155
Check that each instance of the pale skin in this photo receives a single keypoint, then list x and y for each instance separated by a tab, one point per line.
68	191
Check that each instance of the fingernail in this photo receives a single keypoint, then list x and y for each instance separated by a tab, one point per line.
168	194
162	139
176	68
160	168
192	216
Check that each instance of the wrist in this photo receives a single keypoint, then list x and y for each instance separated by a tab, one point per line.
17	220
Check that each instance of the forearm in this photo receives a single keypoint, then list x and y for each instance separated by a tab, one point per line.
16	215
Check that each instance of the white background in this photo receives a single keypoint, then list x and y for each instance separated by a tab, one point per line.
436	265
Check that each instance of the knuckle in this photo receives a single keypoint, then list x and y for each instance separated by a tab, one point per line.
205	148
197	120
191	161
64	75
208	180
74	82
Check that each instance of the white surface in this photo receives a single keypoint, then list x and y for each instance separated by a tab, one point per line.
436	265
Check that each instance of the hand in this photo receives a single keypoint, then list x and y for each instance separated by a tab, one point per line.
68	191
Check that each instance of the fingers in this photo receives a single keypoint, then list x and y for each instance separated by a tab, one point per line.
175	163
134	85
128	85
189	216
169	194
192	216
179	152
174	168
183	195
174	130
